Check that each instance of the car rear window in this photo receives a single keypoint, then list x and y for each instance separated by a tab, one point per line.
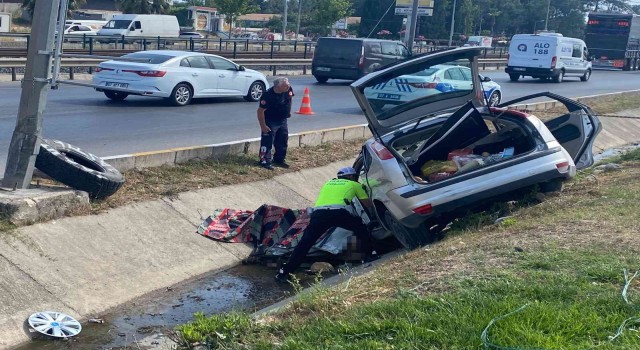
338	48
153	58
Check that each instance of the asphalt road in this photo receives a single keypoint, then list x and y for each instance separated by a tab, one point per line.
85	118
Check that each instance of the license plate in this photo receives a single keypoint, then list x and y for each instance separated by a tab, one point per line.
519	69
323	69
119	85
389	96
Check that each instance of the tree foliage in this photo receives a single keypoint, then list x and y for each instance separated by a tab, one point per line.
144	6
29	5
231	9
488	17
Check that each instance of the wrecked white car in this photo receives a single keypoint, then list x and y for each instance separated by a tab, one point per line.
433	157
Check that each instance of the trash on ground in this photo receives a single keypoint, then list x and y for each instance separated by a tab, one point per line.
608	167
96	320
54	324
321	267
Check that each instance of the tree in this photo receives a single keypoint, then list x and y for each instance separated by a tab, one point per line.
232	9
327	12
29	5
144	6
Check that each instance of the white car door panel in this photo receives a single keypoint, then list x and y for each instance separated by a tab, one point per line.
230	80
203	78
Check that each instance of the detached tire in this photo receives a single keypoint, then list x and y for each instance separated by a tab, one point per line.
78	169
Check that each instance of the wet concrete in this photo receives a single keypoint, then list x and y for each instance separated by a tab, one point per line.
148	322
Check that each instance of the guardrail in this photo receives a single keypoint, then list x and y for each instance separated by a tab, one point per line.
72	63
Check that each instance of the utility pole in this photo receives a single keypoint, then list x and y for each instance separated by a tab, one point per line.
25	142
284	24
412	22
299	13
453	22
547	19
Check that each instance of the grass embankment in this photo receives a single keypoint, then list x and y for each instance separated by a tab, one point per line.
563	258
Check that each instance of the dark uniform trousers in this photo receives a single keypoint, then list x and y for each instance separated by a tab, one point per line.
278	138
320	221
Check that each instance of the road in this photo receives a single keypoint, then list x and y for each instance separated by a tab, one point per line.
85	118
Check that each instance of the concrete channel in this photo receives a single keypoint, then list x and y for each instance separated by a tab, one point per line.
142	267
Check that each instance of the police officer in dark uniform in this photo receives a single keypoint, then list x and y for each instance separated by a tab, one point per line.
273	111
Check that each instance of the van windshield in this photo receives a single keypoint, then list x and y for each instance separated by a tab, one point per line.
118	24
338	49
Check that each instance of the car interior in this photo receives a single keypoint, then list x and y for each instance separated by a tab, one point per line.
467	136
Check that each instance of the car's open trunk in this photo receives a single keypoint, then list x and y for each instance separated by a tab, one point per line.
466	141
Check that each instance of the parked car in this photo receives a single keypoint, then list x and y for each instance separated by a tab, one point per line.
435	156
433	80
340	58
189	35
178	76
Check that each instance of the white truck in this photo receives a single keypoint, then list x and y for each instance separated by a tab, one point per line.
132	25
548	55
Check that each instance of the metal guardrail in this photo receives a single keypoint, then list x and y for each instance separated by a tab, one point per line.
15	63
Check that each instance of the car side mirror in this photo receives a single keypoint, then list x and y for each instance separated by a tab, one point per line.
591	58
486	79
241	68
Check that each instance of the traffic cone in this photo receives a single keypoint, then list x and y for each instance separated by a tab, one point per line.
305	108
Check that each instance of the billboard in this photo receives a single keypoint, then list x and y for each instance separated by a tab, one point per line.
404	7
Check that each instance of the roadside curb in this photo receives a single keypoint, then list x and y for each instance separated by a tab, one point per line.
176	156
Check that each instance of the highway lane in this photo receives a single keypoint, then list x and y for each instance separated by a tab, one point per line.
85	118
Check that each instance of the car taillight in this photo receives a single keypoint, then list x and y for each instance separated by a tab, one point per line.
381	151
423	209
423	85
554	59
100	69
563	167
147	73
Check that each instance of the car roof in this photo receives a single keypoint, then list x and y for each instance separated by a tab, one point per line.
174	53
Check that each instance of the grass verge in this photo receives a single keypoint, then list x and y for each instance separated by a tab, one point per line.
563	258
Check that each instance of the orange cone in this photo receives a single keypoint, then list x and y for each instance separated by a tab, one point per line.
305	108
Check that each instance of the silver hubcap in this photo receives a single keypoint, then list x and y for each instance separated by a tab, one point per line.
256	91
183	94
494	99
55	324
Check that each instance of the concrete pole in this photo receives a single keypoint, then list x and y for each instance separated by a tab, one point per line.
547	19
413	23
25	142
453	22
284	23
299	14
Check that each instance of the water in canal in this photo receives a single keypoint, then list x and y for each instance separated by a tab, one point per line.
145	322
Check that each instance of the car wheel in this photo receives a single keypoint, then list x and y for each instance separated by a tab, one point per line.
181	95
78	169
116	95
514	77
321	80
412	238
256	90
494	99
358	165
559	78
586	75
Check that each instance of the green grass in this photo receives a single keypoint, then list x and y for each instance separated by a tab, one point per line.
631	156
6	226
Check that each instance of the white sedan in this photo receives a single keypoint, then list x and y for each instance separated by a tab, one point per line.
178	76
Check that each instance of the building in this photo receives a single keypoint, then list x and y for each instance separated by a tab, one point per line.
5	22
255	20
10	5
206	19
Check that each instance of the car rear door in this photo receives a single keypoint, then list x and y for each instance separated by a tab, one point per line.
200	73
576	131
231	81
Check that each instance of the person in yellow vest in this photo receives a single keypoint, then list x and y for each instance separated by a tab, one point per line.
332	209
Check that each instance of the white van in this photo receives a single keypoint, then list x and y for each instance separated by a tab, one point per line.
548	55
132	25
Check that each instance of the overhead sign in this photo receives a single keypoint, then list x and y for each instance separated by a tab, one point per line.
421	11
409	3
